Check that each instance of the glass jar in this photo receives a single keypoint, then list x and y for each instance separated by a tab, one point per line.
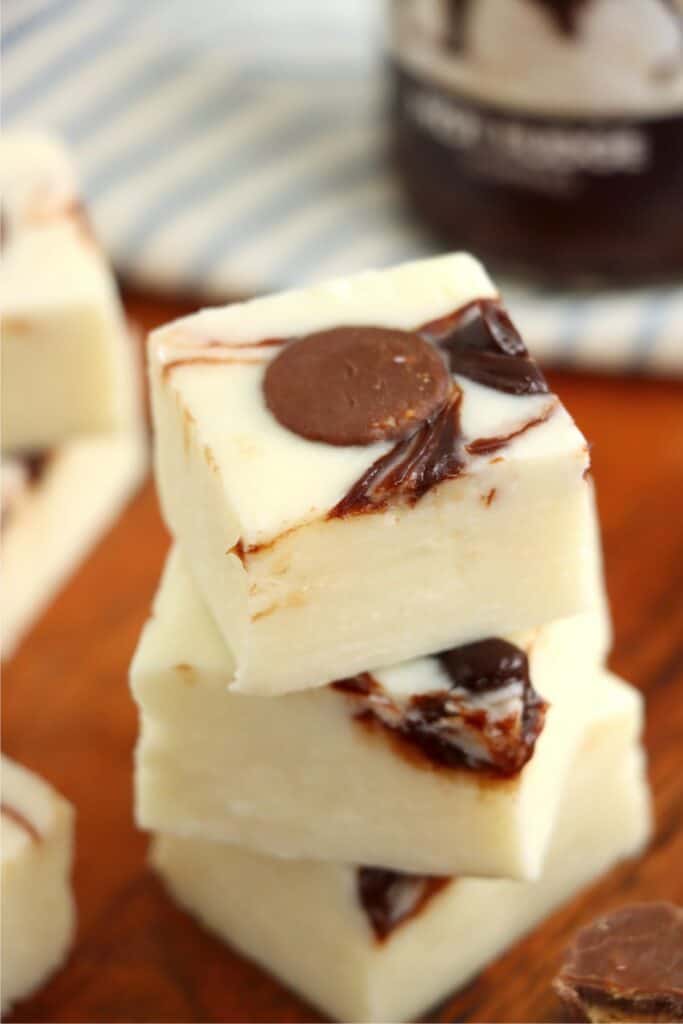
545	135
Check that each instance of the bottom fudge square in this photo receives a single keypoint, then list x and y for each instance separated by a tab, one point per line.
367	944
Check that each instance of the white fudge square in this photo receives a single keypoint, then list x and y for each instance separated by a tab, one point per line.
65	357
306	922
55	507
307	775
37	904
311	576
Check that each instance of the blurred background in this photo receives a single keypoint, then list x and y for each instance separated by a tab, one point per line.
233	148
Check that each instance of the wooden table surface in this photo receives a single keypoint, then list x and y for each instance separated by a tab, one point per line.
67	713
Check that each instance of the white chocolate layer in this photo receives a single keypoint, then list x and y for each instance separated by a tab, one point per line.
65	361
301	777
37	905
49	526
303	921
501	548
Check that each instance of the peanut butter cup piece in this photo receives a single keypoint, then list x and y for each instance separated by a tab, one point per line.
626	966
356	385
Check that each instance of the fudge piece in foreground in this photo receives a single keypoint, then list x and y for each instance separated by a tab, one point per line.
453	747
65	353
367	471
372	945
627	966
37	904
55	506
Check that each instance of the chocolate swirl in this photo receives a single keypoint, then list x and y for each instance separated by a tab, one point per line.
487	721
480	343
19	819
389	898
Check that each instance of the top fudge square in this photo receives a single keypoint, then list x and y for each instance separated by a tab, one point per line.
366	471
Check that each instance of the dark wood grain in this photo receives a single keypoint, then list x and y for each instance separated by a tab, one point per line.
67	713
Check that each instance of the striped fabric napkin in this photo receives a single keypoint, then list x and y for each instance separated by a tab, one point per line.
236	147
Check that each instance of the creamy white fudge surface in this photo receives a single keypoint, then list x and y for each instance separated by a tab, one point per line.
363	770
372	945
55	507
65	355
38	913
457	509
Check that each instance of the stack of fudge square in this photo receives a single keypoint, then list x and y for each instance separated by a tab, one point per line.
72	438
378	738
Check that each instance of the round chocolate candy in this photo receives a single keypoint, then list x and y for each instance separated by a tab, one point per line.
356	385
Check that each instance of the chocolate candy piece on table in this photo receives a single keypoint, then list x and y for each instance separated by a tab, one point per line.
627	966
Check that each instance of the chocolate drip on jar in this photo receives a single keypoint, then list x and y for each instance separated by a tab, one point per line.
565	15
457	15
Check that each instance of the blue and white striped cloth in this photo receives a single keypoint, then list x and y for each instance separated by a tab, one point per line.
236	146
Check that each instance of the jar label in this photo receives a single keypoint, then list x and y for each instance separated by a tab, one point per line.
558	156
